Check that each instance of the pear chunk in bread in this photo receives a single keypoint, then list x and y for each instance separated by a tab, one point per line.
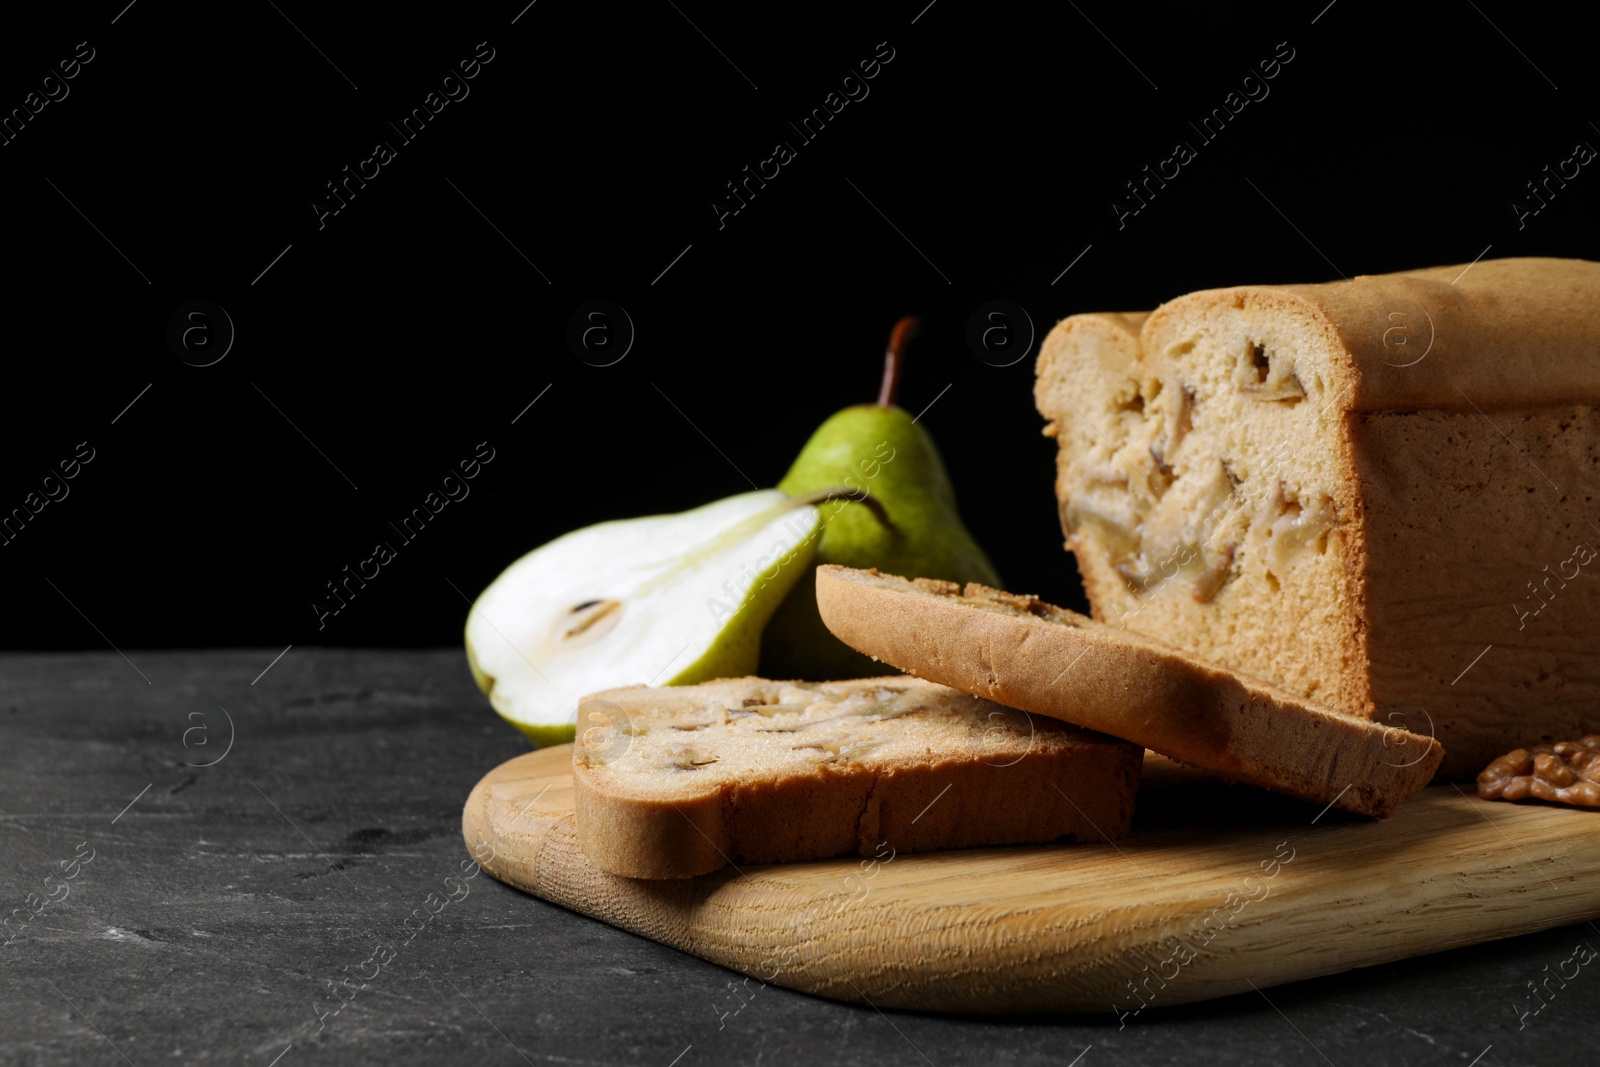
679	781
1055	662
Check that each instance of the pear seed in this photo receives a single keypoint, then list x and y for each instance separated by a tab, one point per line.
590	618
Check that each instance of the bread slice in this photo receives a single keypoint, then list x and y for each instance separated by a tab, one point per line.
1020	651
1377	493
674	782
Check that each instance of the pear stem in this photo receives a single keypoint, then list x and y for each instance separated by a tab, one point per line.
844	492
903	331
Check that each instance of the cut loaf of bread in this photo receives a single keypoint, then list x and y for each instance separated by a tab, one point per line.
674	782
1382	494
1025	653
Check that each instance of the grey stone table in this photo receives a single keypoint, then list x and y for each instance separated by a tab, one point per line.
197	855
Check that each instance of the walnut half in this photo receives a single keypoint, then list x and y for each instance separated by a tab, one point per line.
1565	773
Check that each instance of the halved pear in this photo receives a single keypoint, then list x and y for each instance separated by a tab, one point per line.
665	599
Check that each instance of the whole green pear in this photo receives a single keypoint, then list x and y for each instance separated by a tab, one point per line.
911	528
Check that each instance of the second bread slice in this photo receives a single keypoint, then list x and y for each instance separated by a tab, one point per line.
679	781
1022	652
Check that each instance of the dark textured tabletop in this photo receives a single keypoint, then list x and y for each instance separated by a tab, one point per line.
205	863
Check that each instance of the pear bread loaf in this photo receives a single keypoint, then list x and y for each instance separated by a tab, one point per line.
679	781
1382	494
1022	652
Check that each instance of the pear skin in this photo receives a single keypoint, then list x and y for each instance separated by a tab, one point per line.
880	450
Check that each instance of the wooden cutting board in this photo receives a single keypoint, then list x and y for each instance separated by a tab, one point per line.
1219	888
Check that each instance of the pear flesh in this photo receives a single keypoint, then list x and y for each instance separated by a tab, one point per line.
660	600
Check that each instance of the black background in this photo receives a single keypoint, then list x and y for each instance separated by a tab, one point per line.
407	329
